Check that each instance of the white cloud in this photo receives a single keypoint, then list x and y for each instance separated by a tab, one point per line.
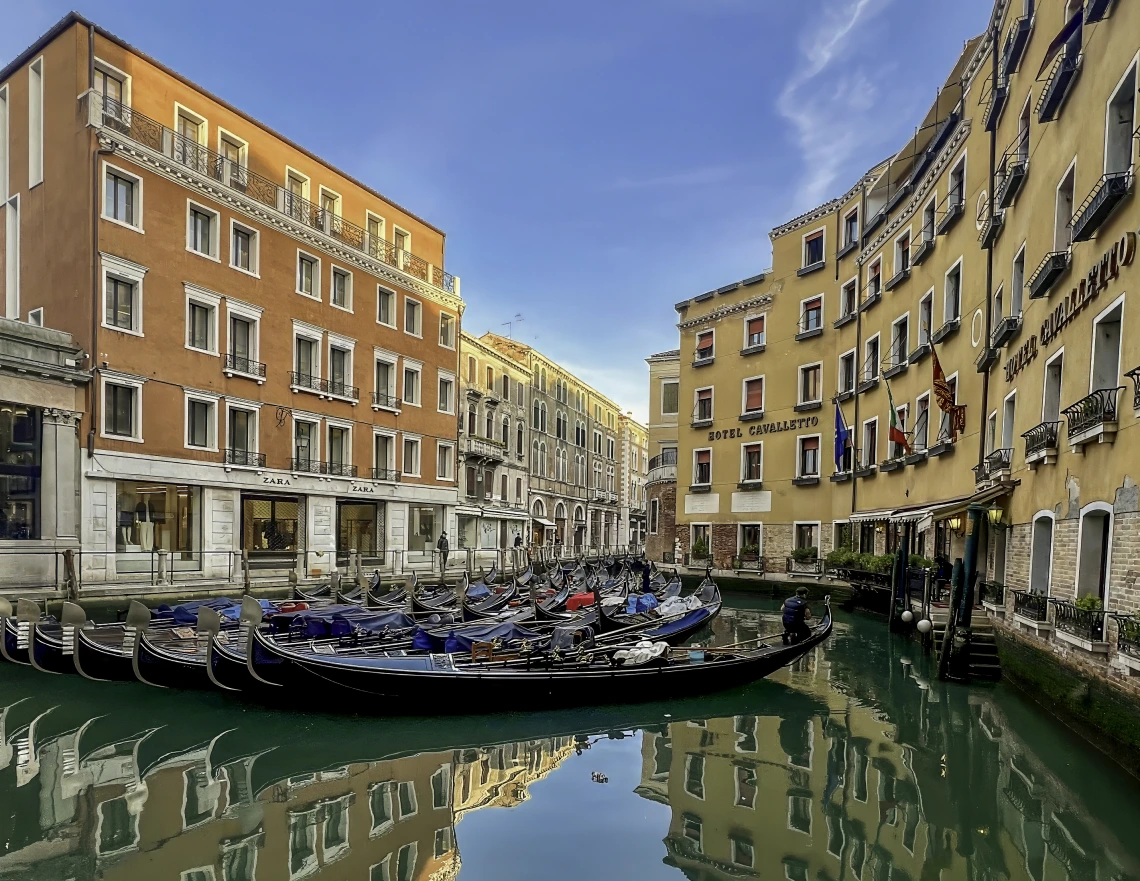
828	98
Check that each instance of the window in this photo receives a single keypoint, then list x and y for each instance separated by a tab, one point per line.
306	363
120	301
122	196
110	84
297	195
902	253
928	215
241	433
1120	125
811	387
233	152
952	301
847	302
813	249
384	454
305	448
754	332
695	775
120	410
330	207
243	341
518	488
847	372
445	462
1051	399
200	423
743	851
202	231
870	442
1041	555
406	859
412	456
375	227
1009	407
1106	348
1094	549
920	441
447	397
851	227
925	318
691	829
401	239
875	280
202	320
944	424
808	464
896	450
385	306
36	122
1017	283
871	359
243	248
341	293
340	372
413	317
4	143
702	467
704	345
957	194
386	381
308	275
609	447
704	409
752	462
754	395
411	385
811	315
669	395
1063	233
447	340
900	340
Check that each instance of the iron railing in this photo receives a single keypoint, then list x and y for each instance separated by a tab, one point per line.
1052	266
307	466
154	135
1004	330
749	563
248	366
306	381
245	458
1099	204
342	389
1041	438
812	566
992	592
1057	86
999	460
1084	623
1011	169
1092	410
388	474
340	469
1031	606
1134	375
1015	40
949	210
383	399
666	457
1128	635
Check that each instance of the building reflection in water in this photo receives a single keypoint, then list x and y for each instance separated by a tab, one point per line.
855	764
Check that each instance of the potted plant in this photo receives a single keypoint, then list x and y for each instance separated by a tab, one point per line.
802	555
750	553
700	549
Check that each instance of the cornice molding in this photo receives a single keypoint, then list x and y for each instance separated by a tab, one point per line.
180	174
822	210
918	197
725	311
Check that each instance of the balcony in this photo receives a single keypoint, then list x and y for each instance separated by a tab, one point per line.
898	278
945	442
235	365
1081	627
307	466
754	349
846	249
386	475
871	296
306	382
184	156
843	395
811	267
922	250
340	469
1058	85
1098	205
244	458
1092	418
840	476
482	448
845	318
703	357
947	329
809	327
1134	375
955	208
999	463
808	406
874	223
1030	606
991	230
981	479
334	388
1096	10
867	385
1011	171
920	352
806	480
1015	41
1052	266
1006	329
932	149
1041	444
986	359
893	463
662	468
385	401
999	97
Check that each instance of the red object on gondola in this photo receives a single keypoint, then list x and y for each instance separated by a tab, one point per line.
579	600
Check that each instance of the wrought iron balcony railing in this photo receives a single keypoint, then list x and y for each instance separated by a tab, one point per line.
305	465
1005	330
1041	441
1031	606
1052	266
666	457
1015	40
1011	171
342	389
383	399
981	474
387	474
340	469
1082	623
949	210
245	458
999	96
1134	375
246	366
1058	85
1128	635
306	381
810	566
999	461
157	137
1091	214
992	592
1091	412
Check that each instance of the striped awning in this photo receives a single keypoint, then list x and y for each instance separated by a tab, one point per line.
880	516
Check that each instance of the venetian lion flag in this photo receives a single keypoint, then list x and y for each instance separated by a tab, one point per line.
896	433
945	396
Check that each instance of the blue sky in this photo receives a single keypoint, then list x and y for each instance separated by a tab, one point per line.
592	163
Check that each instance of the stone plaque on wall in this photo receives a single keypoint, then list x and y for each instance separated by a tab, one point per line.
705	503
752	502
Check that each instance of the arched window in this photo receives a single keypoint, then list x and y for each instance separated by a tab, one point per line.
471	420
507	433
538	509
490	435
542	460
1041	554
542	379
519	440
503	489
1094	551
534	458
535	416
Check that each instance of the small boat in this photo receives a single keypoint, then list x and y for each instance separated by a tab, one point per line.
16	632
434	683
52	647
316	592
175	657
106	653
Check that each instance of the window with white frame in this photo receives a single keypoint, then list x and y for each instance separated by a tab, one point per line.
243	338
849	298
847	372
202	230
702	412
702	467
447	336
306	357
669	397
895	449
751	463
929	214
340	368
241	432
851	227
385	306
952	299
1017	283
1120	125
811	384
36	122
412	388
807	458
705	341
202	320
244	247
921	438
330	207
957	194
385	374
201	421
411	456
340	290
753	396
1066	189
308	275
122	294
813	248
235	156
306	442
875	279
384	455
338	445
925	318
402	239
754	335
122	196
413	317
945	420
446	402
871	359
445	463
870	451
122	406
811	314
900	340
902	253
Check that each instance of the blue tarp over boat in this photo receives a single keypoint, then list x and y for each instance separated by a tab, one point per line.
667	630
187	613
339	621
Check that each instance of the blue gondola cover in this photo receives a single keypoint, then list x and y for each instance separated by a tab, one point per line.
463	640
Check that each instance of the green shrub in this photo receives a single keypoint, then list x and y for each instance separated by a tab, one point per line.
918	561
700	549
841	558
749	551
1088	603
802	554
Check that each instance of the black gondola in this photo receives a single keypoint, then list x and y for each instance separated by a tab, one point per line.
443	683
13	632
175	658
107	653
53	642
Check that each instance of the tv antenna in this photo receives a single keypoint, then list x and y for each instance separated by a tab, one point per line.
510	325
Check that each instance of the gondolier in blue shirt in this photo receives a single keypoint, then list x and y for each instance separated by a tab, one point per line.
797	613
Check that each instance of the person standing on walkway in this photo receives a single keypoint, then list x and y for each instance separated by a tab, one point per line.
443	547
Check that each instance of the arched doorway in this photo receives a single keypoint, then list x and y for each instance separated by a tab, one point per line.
538	522
560	524
579	526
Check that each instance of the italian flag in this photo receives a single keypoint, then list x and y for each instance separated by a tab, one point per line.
896	433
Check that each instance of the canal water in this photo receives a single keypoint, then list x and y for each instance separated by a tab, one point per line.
856	763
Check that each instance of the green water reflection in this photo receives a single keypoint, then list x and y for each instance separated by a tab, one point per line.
852	764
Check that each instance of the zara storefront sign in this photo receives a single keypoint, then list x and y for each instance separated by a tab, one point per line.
363	488
1107	269
766	428
275	481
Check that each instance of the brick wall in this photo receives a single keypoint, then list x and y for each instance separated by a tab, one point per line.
662	543
1019	541
1124	580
